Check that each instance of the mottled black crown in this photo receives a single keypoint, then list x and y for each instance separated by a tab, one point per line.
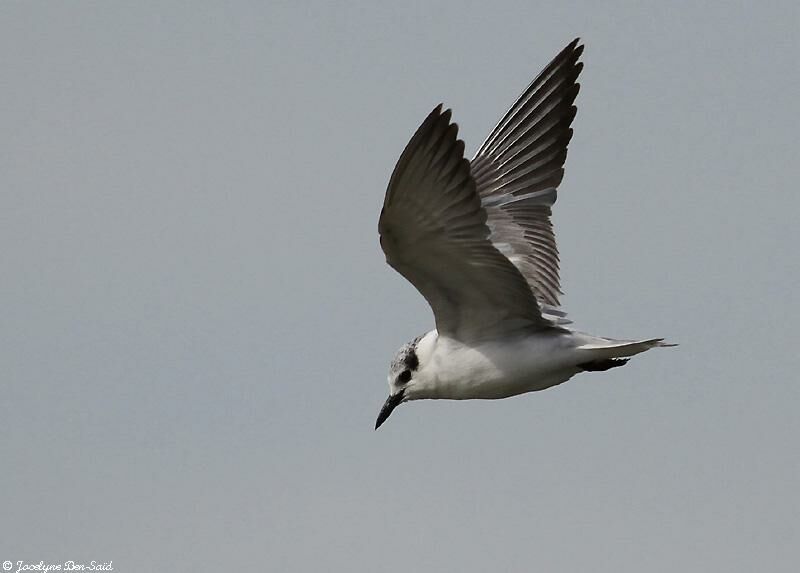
406	359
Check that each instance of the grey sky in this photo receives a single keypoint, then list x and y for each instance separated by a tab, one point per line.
197	319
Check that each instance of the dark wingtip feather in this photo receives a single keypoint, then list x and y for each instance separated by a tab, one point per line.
447	114
573	46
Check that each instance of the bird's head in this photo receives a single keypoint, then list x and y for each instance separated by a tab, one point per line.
402	370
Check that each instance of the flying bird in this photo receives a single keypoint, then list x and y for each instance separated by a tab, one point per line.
476	240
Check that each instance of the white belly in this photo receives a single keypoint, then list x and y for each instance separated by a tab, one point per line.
496	369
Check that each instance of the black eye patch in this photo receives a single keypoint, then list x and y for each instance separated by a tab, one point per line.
404	377
411	360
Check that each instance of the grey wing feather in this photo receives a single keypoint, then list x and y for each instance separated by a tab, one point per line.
517	171
433	231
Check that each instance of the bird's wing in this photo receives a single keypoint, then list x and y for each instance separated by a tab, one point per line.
517	171
433	232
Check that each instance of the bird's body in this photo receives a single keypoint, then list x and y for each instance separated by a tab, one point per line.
475	238
491	369
516	364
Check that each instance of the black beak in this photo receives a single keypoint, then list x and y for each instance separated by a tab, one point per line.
391	403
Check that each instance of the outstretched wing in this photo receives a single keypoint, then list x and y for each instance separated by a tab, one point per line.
433	232
517	171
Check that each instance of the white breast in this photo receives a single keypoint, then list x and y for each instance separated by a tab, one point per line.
494	369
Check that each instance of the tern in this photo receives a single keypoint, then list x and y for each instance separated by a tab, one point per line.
476	240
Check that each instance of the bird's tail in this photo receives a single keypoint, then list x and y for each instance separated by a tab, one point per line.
604	349
598	354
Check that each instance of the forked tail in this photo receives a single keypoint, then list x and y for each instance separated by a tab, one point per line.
605	353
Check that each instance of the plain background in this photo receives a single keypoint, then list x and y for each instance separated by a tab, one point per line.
197	319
